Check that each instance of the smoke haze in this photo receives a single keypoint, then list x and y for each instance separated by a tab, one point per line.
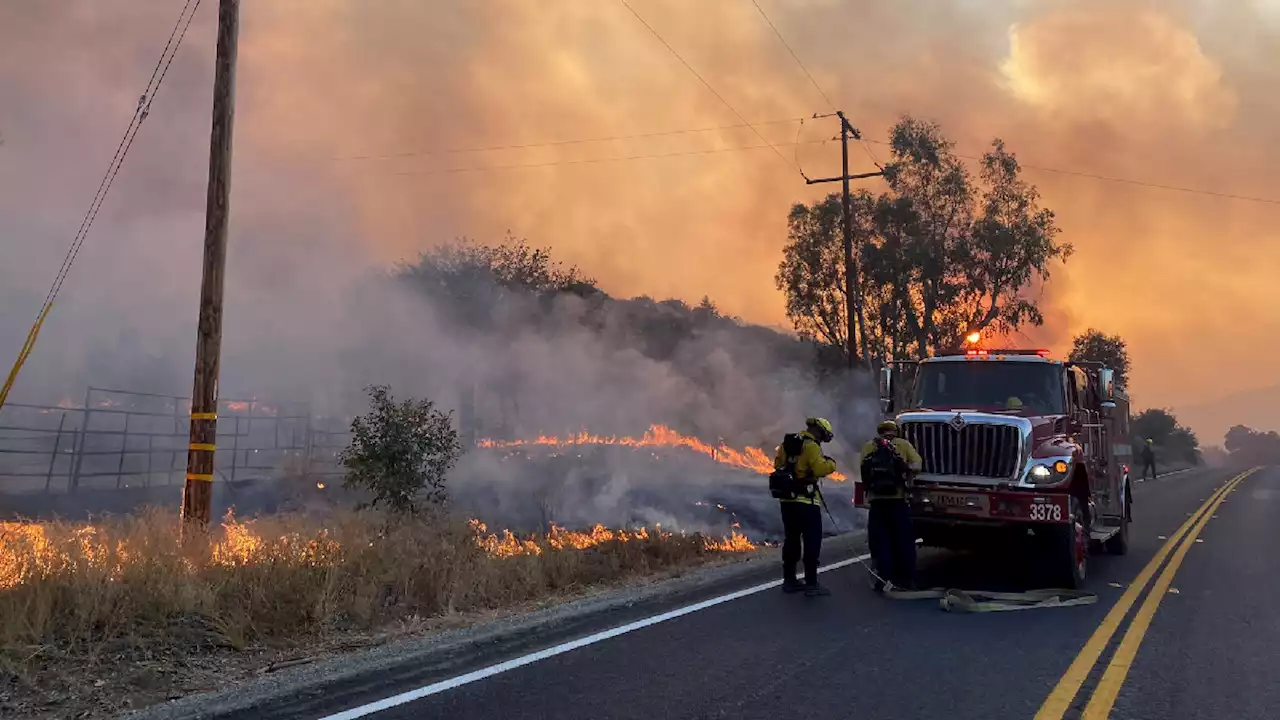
1176	93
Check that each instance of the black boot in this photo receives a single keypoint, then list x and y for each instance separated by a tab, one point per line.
815	589
791	585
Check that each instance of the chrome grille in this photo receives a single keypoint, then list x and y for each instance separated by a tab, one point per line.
975	450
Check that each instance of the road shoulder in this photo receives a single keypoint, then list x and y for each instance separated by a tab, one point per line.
290	692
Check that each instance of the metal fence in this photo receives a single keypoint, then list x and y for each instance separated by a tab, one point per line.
122	439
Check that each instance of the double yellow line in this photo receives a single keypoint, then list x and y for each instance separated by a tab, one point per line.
1104	696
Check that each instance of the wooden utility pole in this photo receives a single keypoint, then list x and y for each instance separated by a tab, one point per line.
197	496
857	329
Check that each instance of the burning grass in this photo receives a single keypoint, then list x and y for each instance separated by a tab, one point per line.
124	587
657	436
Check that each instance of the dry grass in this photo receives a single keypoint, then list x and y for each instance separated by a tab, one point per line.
126	591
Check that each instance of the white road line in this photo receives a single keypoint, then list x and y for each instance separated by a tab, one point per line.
481	674
1164	475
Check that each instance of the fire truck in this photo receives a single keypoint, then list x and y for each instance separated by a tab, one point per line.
1017	447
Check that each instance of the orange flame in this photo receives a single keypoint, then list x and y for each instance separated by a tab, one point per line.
658	436
30	551
558	538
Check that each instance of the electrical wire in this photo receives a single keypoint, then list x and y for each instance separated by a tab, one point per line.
140	113
865	147
795	57
558	143
592	161
1129	181
797	143
707	84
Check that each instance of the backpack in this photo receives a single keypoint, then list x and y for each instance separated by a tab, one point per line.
884	471
783	483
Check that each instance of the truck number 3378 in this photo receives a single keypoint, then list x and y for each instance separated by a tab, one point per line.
1051	512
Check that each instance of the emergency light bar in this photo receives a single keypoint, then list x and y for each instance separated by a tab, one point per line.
983	353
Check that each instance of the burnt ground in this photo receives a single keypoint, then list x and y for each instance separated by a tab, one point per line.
523	490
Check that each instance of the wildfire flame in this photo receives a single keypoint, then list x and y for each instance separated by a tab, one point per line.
507	544
749	458
27	552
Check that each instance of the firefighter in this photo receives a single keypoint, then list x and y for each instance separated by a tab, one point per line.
1149	459
889	464
802	514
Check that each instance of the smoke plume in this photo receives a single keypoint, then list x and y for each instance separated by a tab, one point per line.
1175	93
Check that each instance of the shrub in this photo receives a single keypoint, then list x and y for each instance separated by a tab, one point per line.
401	453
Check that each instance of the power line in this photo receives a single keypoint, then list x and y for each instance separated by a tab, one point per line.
592	161
1129	181
140	113
143	109
797	143
707	84
865	148
558	143
795	57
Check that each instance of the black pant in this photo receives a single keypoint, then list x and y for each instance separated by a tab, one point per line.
1149	465
892	540
801	522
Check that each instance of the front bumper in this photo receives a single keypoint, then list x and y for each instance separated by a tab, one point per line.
964	504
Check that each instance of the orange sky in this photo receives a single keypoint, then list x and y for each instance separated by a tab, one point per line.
1178	93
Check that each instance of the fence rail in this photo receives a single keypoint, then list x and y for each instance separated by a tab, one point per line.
118	439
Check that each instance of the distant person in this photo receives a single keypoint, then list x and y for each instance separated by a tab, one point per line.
1148	459
889	465
798	466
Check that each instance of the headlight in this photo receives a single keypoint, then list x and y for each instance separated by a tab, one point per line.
1043	474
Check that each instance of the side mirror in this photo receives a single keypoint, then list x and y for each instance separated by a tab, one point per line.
886	389
1107	383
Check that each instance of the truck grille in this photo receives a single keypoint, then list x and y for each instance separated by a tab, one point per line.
975	450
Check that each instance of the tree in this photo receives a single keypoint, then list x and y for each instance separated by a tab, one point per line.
939	257
1253	446
1155	424
1110	350
401	453
811	274
1163	429
472	278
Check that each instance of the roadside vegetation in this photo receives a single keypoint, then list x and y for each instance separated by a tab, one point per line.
123	605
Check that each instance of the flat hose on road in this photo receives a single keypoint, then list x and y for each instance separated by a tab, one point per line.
980	601
977	601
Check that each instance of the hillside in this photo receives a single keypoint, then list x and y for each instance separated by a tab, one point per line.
1258	408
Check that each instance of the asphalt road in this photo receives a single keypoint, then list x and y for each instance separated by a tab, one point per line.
1204	651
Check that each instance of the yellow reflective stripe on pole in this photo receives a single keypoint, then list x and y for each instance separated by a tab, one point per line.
204	416
207	447
25	353
197	476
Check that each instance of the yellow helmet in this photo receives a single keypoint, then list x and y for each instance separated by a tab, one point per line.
888	426
821	428
1013	403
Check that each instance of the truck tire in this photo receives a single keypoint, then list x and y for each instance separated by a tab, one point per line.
1070	549
1118	544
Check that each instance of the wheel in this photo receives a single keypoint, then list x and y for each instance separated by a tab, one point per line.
1071	548
1119	543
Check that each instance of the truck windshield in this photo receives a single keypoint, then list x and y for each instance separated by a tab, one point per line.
1031	387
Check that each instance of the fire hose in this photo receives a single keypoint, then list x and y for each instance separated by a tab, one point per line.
978	601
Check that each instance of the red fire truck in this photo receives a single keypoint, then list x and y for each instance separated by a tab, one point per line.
1017	447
